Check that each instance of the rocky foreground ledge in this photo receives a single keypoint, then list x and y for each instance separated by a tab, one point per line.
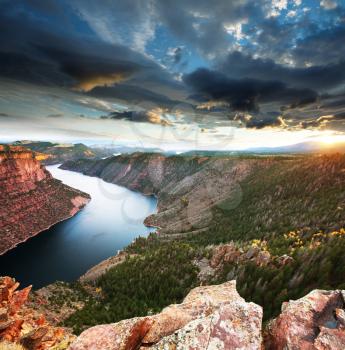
31	200
217	317
210	318
21	327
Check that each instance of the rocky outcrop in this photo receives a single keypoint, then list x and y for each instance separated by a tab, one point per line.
100	269
31	200
22	325
211	317
314	322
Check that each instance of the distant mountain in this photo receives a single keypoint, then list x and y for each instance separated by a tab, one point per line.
303	147
122	149
206	153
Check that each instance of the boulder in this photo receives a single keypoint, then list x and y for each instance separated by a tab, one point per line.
314	322
210	317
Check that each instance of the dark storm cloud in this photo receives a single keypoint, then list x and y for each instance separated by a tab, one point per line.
239	65
90	70
133	94
30	53
245	94
33	52
260	122
154	116
322	121
324	47
127	115
259	58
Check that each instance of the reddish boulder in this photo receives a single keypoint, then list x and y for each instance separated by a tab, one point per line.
314	322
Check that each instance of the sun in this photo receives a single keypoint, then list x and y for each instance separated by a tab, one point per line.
332	139
328	140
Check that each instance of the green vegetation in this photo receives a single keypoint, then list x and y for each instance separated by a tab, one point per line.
290	205
143	284
280	196
67	295
319	263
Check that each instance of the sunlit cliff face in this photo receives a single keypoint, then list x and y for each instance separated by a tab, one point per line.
188	74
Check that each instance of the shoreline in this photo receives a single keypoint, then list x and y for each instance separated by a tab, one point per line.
45	229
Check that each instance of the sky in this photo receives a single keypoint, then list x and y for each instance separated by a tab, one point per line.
173	74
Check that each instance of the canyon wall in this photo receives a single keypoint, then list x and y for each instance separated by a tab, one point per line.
247	196
31	200
187	188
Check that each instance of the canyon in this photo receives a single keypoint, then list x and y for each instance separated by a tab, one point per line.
195	193
30	198
187	188
273	224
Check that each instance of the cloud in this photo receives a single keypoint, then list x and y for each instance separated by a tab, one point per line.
260	56
239	65
175	53
329	4
55	115
323	121
260	122
153	116
123	22
245	94
134	94
321	48
42	55
4	115
88	83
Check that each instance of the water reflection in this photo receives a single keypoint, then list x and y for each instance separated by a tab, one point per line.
112	219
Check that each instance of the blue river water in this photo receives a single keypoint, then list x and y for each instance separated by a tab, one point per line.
113	219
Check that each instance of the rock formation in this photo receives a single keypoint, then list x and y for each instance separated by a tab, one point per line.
210	317
314	322
22	325
31	200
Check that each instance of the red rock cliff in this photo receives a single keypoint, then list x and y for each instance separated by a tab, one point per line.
31	200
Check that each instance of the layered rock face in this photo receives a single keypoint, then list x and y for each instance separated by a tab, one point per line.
22	325
31	200
212	317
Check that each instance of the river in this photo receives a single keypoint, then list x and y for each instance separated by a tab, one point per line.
113	219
